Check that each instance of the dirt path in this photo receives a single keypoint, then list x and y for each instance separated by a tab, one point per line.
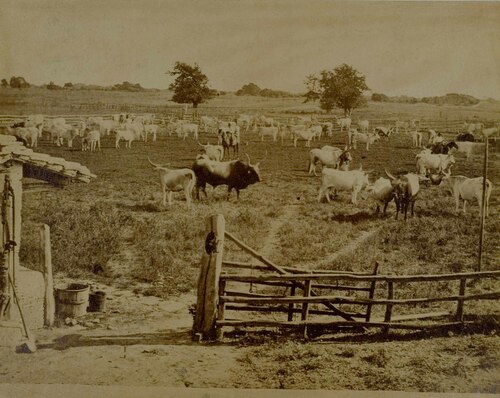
272	240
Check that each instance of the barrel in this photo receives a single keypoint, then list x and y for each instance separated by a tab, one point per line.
73	300
97	301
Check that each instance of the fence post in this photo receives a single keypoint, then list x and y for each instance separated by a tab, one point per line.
388	308
208	281
49	308
220	310
291	305
460	302
305	305
371	293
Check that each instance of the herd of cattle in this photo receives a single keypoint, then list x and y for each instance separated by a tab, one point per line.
214	167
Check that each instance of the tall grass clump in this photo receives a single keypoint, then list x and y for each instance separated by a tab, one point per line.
82	236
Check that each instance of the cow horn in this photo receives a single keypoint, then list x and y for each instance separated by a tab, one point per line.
389	175
154	164
248	157
200	144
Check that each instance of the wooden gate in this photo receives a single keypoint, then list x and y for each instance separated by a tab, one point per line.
286	297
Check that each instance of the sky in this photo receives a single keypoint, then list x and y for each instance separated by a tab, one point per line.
403	48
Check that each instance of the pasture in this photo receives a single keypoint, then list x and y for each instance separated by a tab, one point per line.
118	223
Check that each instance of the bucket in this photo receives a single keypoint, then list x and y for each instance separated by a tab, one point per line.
97	301
72	301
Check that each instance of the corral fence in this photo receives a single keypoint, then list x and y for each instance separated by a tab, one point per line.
163	114
264	295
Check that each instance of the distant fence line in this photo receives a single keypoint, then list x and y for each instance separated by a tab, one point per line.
164	113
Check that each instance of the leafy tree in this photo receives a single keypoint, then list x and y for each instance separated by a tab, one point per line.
249	89
190	85
343	87
68	85
379	97
53	86
5	83
18	82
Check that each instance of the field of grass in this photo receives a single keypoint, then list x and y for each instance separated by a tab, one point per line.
116	222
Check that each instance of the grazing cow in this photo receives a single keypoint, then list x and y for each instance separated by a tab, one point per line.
429	161
187	128
94	120
271	131
403	125
91	140
317	130
441	147
368	138
431	137
382	191
245	121
340	180
214	152
328	156
128	136
174	180
230	139
344	122
236	174
35	120
262	120
363	126
383	131
467	189
28	134
301	134
405	190
416	138
106	126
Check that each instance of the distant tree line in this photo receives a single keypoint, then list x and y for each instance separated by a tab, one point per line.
253	89
448	99
15	82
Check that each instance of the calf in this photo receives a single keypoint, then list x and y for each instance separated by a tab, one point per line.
467	189
174	180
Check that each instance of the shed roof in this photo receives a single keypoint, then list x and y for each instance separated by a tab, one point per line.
40	165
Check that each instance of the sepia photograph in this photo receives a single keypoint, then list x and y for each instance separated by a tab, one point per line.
249	198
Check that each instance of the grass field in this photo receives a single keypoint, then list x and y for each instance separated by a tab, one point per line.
116	222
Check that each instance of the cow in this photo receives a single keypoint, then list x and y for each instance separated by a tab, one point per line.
150	129
341	180
403	125
343	122
208	123
328	156
126	135
405	190
187	128
383	131
271	131
317	130
302	134
106	126
327	128
467	189
174	180
28	134
382	191
245	121
236	174
91	140
473	127
429	161
369	139
431	137
363	125
416	138
214	152
230	139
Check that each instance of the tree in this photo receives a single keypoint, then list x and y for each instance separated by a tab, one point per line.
18	82
5	83
190	85
68	85
343	87
53	86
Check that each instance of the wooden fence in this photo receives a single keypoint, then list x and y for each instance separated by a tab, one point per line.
314	295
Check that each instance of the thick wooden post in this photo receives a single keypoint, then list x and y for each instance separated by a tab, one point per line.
208	281
220	310
305	305
371	294
388	308
49	307
460	302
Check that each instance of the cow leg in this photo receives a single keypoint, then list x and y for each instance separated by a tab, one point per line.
164	195
465	202
170	193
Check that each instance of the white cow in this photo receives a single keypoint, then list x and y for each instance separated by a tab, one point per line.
150	129
106	126
368	138
382	191
468	148
340	180
431	137
29	134
92	140
174	180
467	189
327	128
208	123
301	134
186	129
214	152
328	156
363	126
416	137
268	131
344	122
126	135
429	161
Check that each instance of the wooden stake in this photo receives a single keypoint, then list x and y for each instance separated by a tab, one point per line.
46	264
483	206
